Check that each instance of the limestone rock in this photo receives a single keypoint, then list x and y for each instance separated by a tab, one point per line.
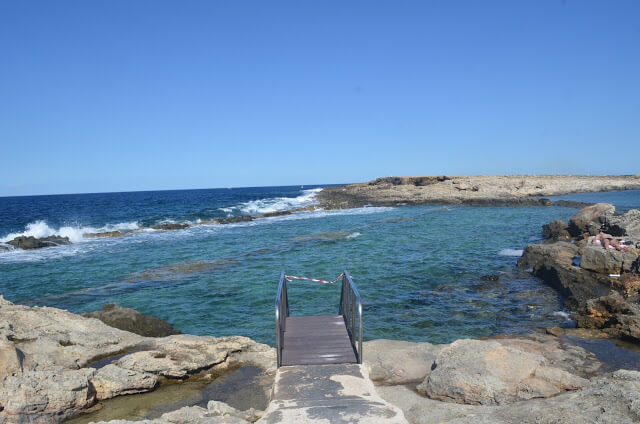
181	355
45	396
613	398
111	381
625	225
606	261
10	359
104	234
169	226
51	337
30	242
488	372
399	362
131	320
590	219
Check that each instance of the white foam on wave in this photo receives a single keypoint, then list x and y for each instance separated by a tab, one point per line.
510	252
562	314
40	229
277	204
353	235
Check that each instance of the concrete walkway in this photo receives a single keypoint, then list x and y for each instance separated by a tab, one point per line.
328	394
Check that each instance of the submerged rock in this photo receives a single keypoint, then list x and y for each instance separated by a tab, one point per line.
169	226
104	234
131	320
30	242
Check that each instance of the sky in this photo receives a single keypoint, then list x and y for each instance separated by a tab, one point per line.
140	95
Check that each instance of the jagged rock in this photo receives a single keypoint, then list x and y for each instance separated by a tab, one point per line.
487	372
45	396
131	320
111	381
613	314
399	362
605	261
30	242
104	234
590	219
613	398
169	226
556	230
625	225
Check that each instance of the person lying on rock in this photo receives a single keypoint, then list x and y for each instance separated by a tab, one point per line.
608	241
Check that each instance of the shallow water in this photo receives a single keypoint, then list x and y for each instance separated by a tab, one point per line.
419	269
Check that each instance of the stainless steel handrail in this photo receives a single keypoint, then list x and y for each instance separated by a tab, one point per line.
282	312
350	309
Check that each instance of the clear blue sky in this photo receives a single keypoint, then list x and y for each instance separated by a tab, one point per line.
136	95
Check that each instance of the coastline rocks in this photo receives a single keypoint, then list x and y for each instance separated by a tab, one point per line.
590	219
104	234
30	242
399	362
471	190
625	225
10	359
133	321
169	226
487	372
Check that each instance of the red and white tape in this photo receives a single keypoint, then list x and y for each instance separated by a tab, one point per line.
293	277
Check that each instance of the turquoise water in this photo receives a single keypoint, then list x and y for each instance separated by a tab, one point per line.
419	269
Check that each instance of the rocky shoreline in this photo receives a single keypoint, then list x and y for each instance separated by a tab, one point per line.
495	190
55	365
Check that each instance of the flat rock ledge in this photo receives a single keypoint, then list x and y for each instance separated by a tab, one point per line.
471	190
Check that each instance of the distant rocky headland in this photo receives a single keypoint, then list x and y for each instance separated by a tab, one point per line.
499	190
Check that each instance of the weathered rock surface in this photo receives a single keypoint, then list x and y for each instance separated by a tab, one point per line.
485	372
131	320
111	381
46	356
399	362
30	242
626	225
590	219
605	261
475	190
556	230
612	398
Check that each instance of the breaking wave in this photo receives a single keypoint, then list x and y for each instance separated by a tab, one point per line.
40	229
510	252
276	204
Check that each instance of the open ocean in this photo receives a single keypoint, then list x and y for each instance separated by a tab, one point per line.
419	269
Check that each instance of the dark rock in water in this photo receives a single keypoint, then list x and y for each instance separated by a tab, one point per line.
545	202
235	219
133	321
590	219
277	213
30	242
490	277
556	230
105	234
169	226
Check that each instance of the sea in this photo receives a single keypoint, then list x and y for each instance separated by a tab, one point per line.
425	273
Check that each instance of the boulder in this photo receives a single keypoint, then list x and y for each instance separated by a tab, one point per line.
169	226
111	381
608	261
487	372
556	230
46	396
590	219
399	362
131	320
30	242
625	225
